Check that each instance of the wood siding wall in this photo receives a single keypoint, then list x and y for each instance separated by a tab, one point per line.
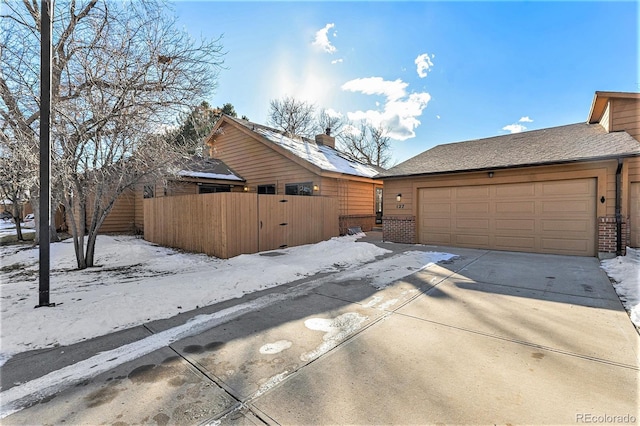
121	218
630	204
260	165
257	163
625	115
604	121
228	224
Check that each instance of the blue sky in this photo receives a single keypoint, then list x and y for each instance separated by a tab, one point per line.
431	72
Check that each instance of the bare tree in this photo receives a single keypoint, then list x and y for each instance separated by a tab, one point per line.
367	143
327	119
292	116
17	175
121	72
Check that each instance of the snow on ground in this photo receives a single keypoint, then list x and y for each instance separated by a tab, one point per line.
341	255
8	227
625	271
137	282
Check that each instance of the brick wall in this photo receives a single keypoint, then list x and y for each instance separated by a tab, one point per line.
365	222
607	234
399	229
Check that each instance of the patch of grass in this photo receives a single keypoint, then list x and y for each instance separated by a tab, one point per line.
13	267
13	239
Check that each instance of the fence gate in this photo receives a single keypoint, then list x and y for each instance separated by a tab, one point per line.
273	225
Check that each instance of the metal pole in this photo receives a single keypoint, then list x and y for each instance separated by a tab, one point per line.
45	152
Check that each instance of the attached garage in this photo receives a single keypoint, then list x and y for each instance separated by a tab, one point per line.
544	217
570	190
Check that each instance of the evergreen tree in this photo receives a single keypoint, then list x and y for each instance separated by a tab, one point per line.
196	125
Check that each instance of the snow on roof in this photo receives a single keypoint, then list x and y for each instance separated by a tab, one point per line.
208	168
218	176
319	155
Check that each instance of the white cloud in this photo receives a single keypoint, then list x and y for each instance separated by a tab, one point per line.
322	39
333	113
337	61
438	117
377	86
525	119
514	128
423	64
400	111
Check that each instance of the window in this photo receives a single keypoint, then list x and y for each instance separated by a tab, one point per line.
266	189
305	188
148	191
378	206
211	189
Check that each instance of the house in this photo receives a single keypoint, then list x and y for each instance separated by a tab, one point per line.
272	162
199	175
572	189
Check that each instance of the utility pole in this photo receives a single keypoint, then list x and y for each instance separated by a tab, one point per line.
44	224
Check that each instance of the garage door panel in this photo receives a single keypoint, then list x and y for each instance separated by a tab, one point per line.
527	225
437	209
547	217
556	225
467	192
566	207
479	225
564	245
437	223
579	187
509	207
472	208
516	190
440	193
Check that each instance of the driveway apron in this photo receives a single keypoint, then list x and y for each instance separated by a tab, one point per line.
487	337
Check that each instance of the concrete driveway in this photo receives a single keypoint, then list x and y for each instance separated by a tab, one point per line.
486	338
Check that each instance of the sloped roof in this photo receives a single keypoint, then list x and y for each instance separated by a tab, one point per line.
570	143
319	155
208	168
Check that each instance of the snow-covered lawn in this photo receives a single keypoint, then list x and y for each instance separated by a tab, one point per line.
625	271
8	227
138	282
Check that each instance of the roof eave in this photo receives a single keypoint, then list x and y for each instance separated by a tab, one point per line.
195	179
600	99
515	166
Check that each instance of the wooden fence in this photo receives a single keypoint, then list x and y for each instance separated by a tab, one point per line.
228	224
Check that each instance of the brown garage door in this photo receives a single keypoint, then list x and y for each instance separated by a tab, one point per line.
635	214
542	217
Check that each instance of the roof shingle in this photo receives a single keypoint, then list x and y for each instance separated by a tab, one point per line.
570	143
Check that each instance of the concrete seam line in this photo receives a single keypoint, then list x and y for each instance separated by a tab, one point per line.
15	398
525	343
295	372
211	377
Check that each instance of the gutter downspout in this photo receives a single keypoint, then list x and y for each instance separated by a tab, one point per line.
618	208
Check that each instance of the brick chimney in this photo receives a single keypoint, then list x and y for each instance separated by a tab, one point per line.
326	139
